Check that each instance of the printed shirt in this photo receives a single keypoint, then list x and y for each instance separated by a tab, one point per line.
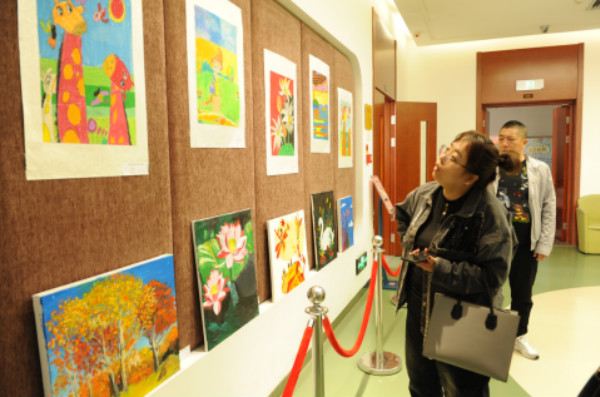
513	192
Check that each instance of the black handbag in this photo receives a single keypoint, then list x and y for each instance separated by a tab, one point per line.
477	338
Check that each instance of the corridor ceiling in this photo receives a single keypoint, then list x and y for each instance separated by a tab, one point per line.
433	22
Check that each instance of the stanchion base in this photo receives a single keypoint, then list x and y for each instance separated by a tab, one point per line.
390	363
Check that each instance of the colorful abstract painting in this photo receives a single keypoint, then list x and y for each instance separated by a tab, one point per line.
83	92
346	223
287	253
281	115
226	270
361	262
324	228
215	74
111	335
320	117
345	128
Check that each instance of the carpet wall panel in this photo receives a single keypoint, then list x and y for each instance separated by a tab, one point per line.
54	232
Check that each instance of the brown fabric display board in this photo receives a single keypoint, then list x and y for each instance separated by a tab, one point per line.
204	182
54	232
344	179
318	167
277	30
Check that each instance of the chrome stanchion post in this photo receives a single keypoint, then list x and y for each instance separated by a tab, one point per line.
379	362
316	295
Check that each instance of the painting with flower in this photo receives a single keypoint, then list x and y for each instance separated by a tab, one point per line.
320	116
345	128
280	115
324	228
215	74
226	270
287	253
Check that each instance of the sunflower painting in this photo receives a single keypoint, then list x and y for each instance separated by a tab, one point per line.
287	253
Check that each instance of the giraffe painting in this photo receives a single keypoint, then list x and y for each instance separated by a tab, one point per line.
71	106
121	82
49	86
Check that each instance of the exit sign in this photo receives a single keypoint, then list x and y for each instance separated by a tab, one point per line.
529	85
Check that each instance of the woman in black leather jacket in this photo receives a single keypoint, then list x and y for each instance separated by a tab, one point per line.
465	232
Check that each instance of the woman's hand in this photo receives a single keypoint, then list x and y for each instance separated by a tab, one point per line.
428	264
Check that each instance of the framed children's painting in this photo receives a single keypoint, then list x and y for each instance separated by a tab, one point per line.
287	253
345	128
84	93
113	334
281	112
226	270
215	74
345	223
324	228
320	140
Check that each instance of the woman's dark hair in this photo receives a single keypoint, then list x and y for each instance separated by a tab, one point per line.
483	157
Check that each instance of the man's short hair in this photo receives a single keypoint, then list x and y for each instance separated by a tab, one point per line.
517	125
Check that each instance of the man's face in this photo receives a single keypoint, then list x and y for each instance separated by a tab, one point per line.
511	141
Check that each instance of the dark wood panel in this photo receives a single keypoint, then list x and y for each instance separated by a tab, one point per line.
501	69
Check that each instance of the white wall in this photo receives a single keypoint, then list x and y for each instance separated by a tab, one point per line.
537	119
446	74
254	360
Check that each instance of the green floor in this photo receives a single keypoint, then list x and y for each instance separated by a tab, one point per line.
565	268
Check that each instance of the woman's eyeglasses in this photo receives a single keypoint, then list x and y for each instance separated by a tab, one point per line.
445	155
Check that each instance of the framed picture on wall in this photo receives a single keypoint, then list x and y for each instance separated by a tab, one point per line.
324	228
84	98
226	271
287	253
215	74
320	120
111	333
345	128
281	113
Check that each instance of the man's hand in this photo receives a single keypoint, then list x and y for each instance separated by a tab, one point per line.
539	257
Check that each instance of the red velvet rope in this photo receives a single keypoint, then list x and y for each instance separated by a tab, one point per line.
329	331
295	372
388	270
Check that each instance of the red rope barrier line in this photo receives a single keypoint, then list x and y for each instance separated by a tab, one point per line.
388	270
329	331
295	372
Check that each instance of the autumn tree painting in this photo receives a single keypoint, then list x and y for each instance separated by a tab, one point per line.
114	335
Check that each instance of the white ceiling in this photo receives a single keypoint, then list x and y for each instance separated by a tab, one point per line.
450	21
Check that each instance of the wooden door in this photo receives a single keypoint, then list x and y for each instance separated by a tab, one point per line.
383	162
561	135
416	129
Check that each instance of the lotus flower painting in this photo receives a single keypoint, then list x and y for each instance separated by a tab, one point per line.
324	228
114	334
287	253
226	270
